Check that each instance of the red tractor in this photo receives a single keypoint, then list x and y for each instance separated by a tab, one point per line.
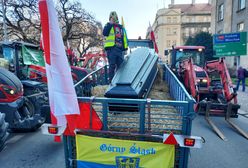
92	61
208	82
21	113
26	61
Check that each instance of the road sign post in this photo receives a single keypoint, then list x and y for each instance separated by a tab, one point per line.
232	44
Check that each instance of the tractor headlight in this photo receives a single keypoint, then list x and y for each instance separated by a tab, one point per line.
8	90
204	80
12	92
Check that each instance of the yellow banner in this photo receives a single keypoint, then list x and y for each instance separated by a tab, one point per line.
106	152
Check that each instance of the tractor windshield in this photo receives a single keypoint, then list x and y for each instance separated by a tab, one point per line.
195	54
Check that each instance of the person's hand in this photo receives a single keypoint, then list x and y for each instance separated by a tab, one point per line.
111	20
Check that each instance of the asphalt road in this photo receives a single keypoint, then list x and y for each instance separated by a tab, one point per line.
217	153
34	150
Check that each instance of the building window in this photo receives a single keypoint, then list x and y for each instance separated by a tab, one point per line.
192	31
205	29
209	29
187	19
240	26
174	31
174	42
205	19
168	31
187	32
241	4
168	43
193	19
174	19
168	19
221	12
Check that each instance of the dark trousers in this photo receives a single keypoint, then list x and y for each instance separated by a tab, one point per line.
243	84
115	58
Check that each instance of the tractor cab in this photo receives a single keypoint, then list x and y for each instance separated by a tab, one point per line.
180	53
17	57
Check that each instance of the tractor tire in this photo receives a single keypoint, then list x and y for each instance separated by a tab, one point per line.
3	130
26	118
39	103
27	110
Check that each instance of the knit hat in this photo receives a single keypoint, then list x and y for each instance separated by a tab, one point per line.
113	15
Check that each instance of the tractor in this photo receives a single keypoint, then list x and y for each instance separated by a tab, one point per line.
21	113
26	61
208	82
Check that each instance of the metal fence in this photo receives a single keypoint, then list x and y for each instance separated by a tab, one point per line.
141	116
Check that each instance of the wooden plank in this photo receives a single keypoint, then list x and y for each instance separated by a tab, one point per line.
214	127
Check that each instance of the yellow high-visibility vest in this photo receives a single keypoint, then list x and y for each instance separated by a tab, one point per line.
110	40
125	39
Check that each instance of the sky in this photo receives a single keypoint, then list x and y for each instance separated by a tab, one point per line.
136	13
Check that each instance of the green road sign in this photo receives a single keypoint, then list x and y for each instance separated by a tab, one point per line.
232	44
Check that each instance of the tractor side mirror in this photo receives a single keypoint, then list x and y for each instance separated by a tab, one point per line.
11	67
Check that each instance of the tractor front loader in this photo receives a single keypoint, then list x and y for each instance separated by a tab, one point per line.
212	88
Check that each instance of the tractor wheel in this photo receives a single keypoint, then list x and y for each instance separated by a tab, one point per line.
27	110
3	130
39	103
30	119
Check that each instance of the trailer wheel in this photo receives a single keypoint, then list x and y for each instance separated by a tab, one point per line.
3	131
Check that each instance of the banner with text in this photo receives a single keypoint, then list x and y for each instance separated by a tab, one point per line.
114	153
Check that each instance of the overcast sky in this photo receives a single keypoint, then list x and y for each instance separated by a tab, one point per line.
136	13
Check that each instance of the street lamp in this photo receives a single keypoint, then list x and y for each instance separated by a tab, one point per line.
4	22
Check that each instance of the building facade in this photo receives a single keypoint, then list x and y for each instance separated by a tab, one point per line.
175	24
230	16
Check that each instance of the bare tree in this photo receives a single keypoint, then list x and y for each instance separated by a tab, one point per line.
22	19
78	26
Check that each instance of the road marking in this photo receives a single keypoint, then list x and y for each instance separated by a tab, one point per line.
15	138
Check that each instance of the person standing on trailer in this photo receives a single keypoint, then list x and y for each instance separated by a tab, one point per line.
115	43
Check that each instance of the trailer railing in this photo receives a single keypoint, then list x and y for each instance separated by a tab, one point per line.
152	117
95	78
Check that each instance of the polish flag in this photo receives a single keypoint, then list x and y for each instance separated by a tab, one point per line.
152	36
62	95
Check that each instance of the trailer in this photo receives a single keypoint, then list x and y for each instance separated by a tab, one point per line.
152	121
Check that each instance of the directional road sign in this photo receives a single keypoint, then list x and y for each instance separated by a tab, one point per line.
232	44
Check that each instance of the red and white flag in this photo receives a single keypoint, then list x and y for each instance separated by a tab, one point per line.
152	36
62	96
